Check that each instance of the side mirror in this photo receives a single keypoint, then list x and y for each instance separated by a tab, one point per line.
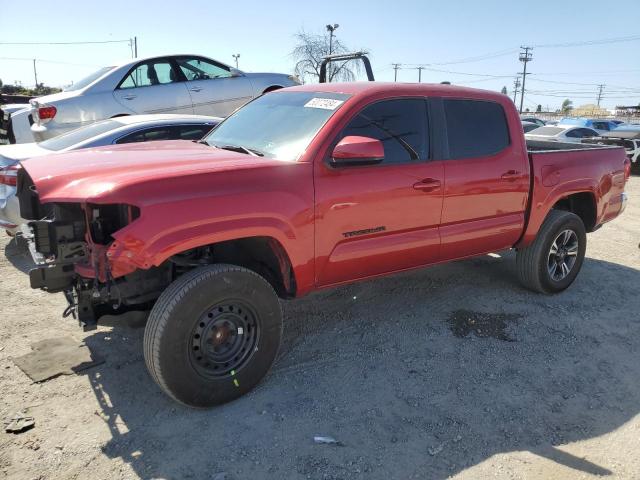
354	150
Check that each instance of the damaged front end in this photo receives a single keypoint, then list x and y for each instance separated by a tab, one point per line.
70	242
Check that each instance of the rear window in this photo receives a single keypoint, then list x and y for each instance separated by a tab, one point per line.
79	135
546	131
475	128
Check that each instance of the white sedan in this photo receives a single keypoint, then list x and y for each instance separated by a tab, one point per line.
114	131
186	84
561	133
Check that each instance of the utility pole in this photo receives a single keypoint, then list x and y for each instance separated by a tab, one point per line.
133	44
331	29
236	56
420	74
35	72
525	57
396	67
516	87
600	89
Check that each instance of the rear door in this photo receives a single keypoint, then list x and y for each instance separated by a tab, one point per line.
373	219
214	89
154	86
486	180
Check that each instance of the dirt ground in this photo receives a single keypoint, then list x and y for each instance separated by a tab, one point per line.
453	371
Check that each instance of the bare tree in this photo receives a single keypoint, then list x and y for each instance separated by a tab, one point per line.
308	54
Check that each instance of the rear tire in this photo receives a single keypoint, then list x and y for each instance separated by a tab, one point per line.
552	262
213	335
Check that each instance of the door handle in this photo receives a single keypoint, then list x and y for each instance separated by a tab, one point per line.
511	175
195	89
129	97
427	185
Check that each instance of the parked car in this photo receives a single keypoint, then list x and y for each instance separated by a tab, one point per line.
561	133
19	127
629	139
528	126
185	84
299	190
131	129
537	121
6	130
597	124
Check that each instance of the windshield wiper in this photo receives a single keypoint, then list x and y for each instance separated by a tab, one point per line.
241	149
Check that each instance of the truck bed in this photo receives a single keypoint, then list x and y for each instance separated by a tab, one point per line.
539	146
559	169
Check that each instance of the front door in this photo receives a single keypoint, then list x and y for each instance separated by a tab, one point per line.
214	89
486	180
154	86
380	218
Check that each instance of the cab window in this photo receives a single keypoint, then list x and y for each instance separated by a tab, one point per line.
475	128
401	126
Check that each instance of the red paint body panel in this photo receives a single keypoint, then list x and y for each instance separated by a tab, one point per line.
335	224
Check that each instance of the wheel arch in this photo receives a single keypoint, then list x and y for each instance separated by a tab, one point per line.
583	204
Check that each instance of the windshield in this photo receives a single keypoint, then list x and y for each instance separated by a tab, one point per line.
79	135
546	131
87	80
277	125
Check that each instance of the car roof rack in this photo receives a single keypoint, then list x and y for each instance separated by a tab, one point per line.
343	57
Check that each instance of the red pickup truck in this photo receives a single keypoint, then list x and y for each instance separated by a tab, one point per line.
301	189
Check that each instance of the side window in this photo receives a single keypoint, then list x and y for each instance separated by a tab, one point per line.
190	132
401	126
201	69
147	135
475	128
154	72
586	132
575	133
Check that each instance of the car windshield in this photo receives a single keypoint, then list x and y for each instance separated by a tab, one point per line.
546	131
86	80
277	125
79	135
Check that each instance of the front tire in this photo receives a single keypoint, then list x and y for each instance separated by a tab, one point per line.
213	335
552	262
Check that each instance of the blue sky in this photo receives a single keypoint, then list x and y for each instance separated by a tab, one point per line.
403	31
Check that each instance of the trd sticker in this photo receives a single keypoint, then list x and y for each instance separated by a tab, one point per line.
366	231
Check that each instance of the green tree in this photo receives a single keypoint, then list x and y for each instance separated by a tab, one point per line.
567	106
504	90
539	108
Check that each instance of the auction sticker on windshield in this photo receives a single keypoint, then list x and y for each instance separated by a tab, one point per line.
325	103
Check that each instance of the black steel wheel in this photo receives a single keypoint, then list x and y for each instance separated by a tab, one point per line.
213	335
224	339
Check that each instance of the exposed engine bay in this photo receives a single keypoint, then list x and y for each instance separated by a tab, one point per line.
68	242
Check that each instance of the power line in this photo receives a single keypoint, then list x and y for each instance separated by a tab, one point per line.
48	61
629	38
66	43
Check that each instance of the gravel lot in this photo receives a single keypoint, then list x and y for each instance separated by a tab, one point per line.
449	371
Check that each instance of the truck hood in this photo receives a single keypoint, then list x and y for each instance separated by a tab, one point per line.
89	174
